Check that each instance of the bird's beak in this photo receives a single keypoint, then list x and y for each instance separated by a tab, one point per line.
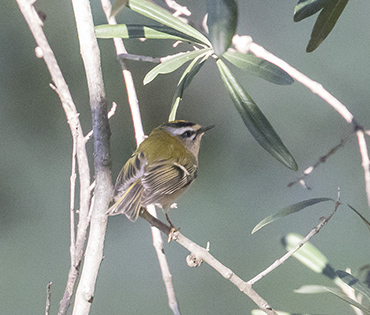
203	130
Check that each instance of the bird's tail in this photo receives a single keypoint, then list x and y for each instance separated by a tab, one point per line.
129	203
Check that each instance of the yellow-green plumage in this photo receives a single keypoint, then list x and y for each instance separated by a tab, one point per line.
160	169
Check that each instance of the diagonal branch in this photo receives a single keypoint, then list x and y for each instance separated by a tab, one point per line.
202	254
245	43
281	260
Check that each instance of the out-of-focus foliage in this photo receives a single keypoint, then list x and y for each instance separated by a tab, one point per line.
311	257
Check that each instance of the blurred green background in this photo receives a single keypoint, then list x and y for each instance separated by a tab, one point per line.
238	184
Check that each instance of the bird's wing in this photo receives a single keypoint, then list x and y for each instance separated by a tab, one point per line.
165	178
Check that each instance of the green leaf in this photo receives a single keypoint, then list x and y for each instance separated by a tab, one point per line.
118	6
156	13
172	63
289	210
312	289
364	274
140	31
345	298
221	21
184	82
354	283
309	255
367	223
325	22
254	119
306	8
258	67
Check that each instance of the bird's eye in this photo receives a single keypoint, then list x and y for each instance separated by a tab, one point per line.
187	134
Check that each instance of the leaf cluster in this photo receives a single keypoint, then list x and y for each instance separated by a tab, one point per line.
221	22
328	17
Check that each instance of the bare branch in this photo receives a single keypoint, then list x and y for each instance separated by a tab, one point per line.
129	82
48	298
166	273
245	44
179	9
72	199
103	191
321	160
138	58
60	87
365	161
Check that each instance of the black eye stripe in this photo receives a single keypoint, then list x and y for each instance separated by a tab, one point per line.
187	134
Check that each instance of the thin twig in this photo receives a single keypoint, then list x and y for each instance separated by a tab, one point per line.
138	58
163	264
202	254
129	82
48	298
179	9
365	161
72	199
321	160
280	261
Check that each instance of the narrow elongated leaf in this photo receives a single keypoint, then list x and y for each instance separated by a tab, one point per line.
258	67
289	210
367	223
345	298
172	63
140	31
118	5
254	119
156	13
325	22
309	255
306	8
312	289
221	21
184	82
354	283
364	274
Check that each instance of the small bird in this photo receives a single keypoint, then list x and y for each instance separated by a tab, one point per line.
160	170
